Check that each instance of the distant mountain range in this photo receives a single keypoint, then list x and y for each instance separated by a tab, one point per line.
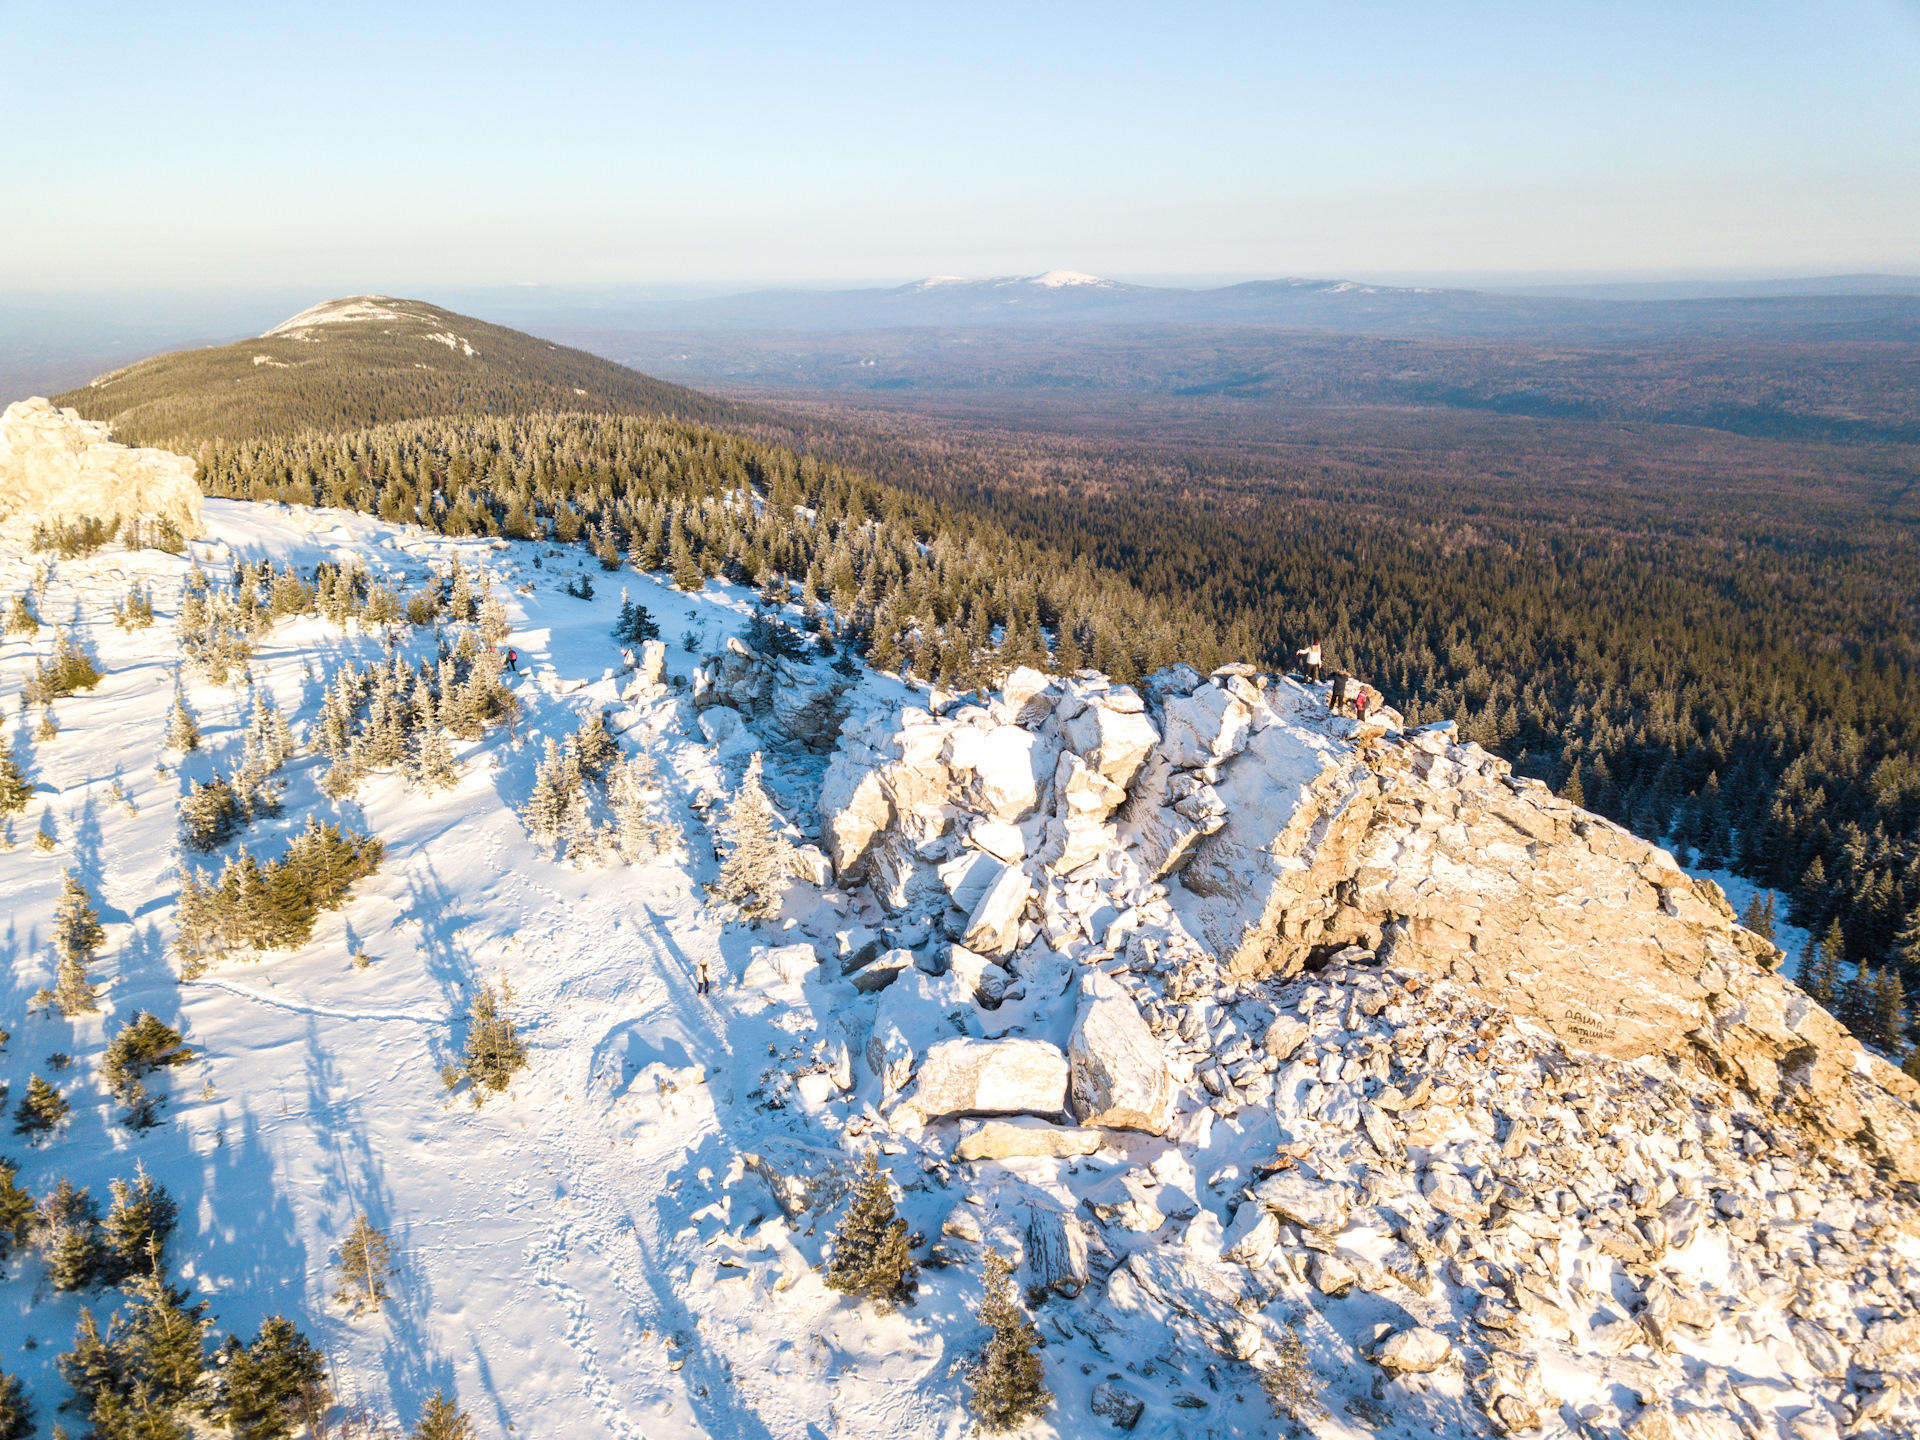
1832	308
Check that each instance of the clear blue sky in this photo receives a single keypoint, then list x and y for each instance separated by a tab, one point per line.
401	146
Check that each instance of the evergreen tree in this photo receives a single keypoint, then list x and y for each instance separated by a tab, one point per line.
1758	916
20	618
1820	972
16	1211
1572	791
365	1266
754	874
546	808
15	790
1292	1388
870	1258
631	786
1009	1378
76	924
138	1226
593	749
443	1420
69	1231
686	574
143	1045
433	765
163	1341
1906	944
494	1047
266	1386
40	1110
16	1409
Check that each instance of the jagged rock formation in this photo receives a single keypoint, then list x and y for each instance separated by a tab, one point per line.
1486	1056
56	467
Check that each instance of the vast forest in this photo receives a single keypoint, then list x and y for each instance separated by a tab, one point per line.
1709	637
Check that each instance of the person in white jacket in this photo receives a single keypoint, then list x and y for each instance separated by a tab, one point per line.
1310	661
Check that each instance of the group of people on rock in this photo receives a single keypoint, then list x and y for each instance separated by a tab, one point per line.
1343	690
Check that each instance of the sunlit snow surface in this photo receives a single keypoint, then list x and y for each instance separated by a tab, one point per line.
552	1247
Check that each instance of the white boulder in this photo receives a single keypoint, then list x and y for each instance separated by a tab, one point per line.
989	1077
1119	1073
1003	771
1208	725
993	927
1413	1352
1024	1136
1114	742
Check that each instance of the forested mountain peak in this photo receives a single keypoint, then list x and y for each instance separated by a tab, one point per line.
370	359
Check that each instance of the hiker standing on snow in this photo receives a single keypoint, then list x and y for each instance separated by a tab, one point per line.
1336	693
1310	661
1362	703
700	973
513	660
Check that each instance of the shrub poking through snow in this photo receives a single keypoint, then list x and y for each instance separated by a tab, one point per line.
364	1267
20	618
1009	1380
754	874
209	815
870	1257
494	1047
136	611
146	1044
68	670
270	1387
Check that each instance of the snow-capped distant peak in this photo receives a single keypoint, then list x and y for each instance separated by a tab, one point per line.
1056	279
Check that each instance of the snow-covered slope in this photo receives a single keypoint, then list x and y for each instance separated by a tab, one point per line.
1102	979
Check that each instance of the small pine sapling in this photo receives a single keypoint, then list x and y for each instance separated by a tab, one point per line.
138	1226
754	874
631	788
145	1044
365	1266
442	1420
1292	1388
494	1047
593	749
870	1256
20	618
1008	1378
16	1211
69	1234
40	1111
77	933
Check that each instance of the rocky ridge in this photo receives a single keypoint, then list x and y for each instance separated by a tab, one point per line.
1224	1015
56	467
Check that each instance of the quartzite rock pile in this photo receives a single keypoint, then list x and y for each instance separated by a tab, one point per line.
57	468
1225	1017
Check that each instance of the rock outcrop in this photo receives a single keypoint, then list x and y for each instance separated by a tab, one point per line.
57	468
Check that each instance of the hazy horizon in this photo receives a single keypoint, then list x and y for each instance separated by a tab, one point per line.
409	149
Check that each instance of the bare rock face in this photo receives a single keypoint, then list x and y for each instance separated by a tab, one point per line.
1119	1074
54	466
989	1077
1022	1136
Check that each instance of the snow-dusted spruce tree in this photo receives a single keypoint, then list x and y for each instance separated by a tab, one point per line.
68	1232
138	1226
754	874
16	1211
432	766
546	808
16	1409
593	749
40	1111
15	790
183	731
77	934
364	1267
870	1257
267	1387
20	618
631	788
1008	1378
442	1420
494	1047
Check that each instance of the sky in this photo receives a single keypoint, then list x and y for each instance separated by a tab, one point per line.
405	147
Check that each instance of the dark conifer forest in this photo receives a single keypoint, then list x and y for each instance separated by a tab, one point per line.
1709	638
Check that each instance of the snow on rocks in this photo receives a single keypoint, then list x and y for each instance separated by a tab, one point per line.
988	1077
56	467
1119	1075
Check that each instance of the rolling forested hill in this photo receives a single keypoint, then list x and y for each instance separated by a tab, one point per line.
370	360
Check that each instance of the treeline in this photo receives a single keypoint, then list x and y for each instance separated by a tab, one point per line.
915	584
1728	665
